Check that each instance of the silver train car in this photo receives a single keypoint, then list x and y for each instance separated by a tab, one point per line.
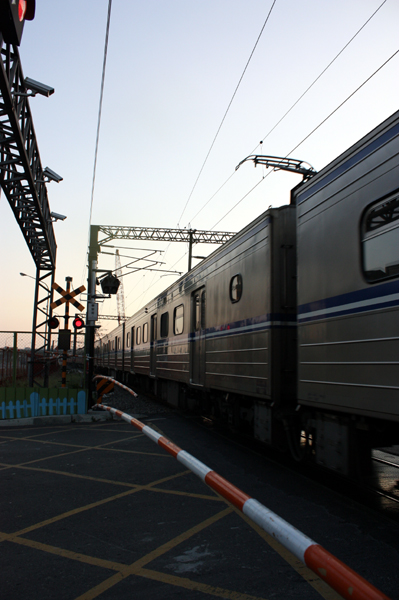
289	331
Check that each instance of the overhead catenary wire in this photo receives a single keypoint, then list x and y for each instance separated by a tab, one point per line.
227	110
100	109
313	131
290	109
274	127
221	124
300	143
99	120
284	116
321	74
345	101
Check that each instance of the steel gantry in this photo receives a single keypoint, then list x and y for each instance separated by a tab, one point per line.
158	234
22	181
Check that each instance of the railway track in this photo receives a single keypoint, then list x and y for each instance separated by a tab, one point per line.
383	481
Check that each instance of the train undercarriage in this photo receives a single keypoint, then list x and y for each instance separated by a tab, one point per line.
338	442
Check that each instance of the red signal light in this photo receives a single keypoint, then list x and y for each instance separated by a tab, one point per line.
21	9
53	323
13	14
78	323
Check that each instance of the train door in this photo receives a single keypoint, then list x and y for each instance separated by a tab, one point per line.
198	337
153	345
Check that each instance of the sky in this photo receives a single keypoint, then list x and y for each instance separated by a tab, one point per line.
176	72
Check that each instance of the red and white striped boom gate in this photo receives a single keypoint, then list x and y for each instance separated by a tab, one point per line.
349	584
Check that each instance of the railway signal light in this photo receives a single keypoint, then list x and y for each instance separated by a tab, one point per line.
78	323
110	284
13	14
53	323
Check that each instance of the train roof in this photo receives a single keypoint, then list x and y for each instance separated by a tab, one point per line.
376	138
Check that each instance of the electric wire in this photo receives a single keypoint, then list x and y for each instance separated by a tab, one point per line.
321	74
227	110
273	128
313	131
292	107
345	101
297	146
99	118
220	126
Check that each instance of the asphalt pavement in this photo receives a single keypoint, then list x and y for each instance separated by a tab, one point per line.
97	510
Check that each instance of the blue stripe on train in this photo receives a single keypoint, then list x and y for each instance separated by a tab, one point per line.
385	295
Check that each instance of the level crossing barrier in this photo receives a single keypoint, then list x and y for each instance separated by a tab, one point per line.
349	584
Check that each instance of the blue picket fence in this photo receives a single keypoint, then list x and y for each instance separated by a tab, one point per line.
33	402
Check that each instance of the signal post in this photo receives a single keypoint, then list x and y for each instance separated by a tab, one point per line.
64	336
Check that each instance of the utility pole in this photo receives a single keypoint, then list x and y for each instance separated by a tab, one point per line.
91	298
66	328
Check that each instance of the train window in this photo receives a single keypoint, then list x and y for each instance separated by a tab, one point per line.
128	340
178	320
119	343
197	301
138	335
145	333
380	240
164	324
199	311
235	288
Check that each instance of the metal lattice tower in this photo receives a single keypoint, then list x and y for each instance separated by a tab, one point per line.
120	296
23	183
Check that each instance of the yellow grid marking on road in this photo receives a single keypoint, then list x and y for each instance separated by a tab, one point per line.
78	556
181	582
188	584
183	537
67	444
137	568
30	462
84	448
318	584
29	439
75	511
148	486
54	428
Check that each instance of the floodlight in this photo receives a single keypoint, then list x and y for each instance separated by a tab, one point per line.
51	175
38	88
57	217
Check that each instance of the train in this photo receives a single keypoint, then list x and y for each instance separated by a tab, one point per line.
289	332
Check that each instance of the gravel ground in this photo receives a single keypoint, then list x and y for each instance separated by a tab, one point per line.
142	405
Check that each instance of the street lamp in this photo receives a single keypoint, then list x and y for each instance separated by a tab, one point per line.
25	275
